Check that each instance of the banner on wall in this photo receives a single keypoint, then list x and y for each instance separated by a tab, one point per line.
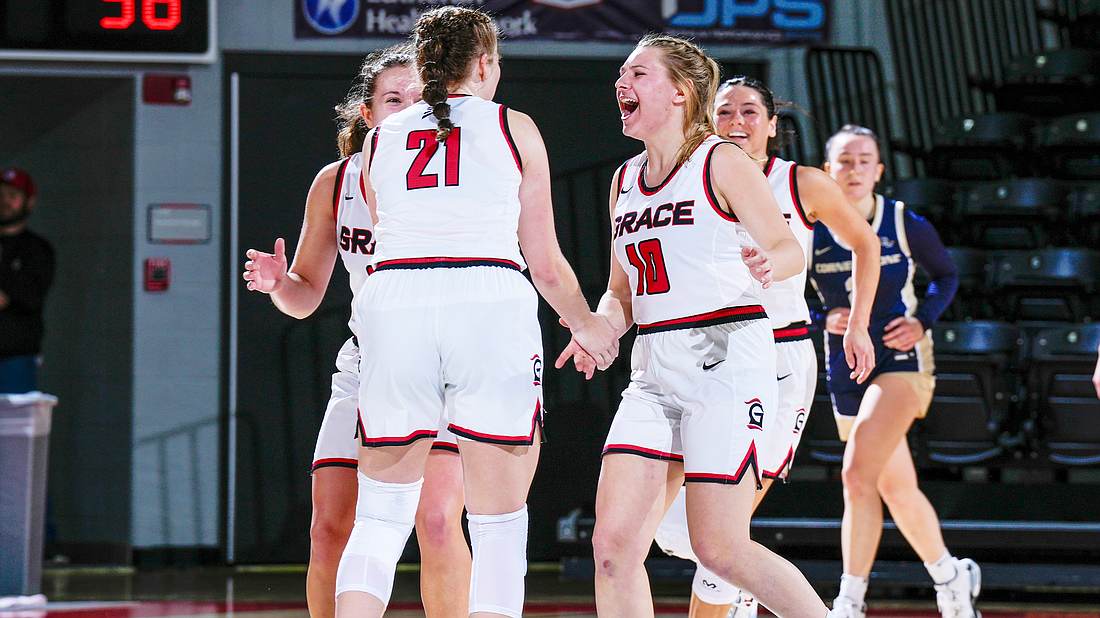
755	22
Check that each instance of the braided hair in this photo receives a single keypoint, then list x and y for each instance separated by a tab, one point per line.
698	75
447	40
782	137
352	127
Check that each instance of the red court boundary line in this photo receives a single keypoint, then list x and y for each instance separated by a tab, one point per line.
154	609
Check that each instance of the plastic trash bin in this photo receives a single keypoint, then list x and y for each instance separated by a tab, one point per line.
24	444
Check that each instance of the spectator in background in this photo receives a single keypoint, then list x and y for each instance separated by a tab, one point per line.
26	272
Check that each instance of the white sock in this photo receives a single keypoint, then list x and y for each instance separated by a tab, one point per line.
942	570
853	587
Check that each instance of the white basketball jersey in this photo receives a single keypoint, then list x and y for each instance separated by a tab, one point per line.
681	251
354	229
785	301
458	198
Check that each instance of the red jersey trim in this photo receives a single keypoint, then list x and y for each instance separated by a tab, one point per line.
397	440
336	191
646	190
444	262
373	147
508	137
620	176
796	200
726	479
795	331
722	316
783	466
529	439
335	462
630	449
711	197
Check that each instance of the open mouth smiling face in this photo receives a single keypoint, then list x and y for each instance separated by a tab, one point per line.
627	106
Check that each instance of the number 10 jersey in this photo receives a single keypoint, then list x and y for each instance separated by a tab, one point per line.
458	198
681	251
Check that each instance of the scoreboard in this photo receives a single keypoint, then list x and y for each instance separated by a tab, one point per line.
108	30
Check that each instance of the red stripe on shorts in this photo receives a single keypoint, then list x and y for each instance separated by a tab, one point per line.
721	316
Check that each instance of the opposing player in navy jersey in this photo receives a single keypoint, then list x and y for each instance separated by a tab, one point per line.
696	233
745	113
874	416
459	185
337	221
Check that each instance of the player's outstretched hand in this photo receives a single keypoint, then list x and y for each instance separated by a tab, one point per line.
859	351
582	360
759	264
265	271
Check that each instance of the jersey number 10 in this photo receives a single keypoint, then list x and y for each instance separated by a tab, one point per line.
650	262
424	141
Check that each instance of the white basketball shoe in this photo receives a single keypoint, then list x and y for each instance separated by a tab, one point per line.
956	598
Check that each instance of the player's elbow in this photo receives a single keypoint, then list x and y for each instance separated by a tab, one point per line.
546	277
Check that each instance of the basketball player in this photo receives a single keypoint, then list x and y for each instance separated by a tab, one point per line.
337	221
745	113
874	416
459	185
694	229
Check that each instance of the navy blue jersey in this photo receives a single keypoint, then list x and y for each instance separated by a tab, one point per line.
907	240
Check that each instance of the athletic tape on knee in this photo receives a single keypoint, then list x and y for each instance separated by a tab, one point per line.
384	518
500	562
712	589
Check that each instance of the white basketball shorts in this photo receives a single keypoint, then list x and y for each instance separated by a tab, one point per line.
459	341
702	391
337	443
796	370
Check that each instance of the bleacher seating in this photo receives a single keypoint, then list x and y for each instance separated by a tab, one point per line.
1012	214
1085	215
931	198
1050	83
990	146
974	269
1005	156
1064	404
1079	19
1069	146
1045	284
975	393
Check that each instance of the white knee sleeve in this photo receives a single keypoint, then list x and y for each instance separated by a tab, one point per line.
713	589
500	562
384	518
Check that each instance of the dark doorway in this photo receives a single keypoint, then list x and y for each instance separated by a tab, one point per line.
75	136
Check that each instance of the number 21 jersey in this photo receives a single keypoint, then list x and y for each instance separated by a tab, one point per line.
458	198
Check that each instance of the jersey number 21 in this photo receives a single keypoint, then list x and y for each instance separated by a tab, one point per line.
424	141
